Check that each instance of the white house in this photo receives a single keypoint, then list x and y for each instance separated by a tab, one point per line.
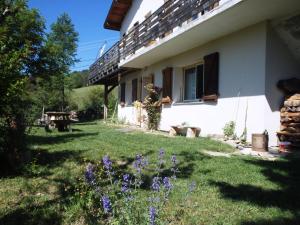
217	60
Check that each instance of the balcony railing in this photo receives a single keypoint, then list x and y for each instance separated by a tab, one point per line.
106	65
172	14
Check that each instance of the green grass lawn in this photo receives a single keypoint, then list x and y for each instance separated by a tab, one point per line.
236	190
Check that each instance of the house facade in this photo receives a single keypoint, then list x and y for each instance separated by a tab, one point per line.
215	60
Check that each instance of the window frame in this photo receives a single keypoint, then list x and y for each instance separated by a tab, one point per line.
201	63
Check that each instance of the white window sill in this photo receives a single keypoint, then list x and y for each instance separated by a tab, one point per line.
196	102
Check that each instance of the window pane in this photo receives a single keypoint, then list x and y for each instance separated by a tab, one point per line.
190	84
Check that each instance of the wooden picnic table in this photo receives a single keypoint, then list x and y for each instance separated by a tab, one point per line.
59	120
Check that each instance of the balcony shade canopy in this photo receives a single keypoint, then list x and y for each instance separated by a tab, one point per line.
116	14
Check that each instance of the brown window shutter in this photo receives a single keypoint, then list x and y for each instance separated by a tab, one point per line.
211	77
167	82
123	88
134	90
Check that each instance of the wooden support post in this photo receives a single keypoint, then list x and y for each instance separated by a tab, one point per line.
105	101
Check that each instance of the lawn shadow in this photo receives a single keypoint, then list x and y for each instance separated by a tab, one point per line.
29	211
284	173
55	139
76	130
85	123
32	208
276	221
45	160
33	215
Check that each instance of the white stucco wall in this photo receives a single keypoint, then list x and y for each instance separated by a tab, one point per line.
241	85
280	64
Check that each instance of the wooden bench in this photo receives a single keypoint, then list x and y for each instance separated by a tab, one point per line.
188	131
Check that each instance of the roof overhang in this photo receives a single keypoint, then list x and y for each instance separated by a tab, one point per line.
116	14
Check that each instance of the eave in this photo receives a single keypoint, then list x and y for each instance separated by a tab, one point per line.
116	14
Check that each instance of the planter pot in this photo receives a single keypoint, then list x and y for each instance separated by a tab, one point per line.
166	100
260	142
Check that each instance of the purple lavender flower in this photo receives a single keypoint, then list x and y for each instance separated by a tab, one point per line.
152	215
125	183
137	163
174	160
174	168
192	186
161	153
107	165
155	184
161	161
106	204
89	174
140	163
167	184
126	178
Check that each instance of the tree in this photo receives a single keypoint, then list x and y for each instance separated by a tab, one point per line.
77	79
61	46
21	38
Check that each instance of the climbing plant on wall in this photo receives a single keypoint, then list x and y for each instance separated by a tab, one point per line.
152	104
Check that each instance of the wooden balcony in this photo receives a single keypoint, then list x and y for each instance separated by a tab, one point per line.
106	68
173	14
170	15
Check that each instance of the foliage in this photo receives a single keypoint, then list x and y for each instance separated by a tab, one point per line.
77	79
229	129
152	105
88	102
21	40
120	195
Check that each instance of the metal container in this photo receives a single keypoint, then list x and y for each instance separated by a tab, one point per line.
260	142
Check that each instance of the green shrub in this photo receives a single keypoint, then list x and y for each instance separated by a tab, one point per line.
229	129
153	106
89	101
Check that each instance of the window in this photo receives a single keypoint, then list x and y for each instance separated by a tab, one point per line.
202	81
123	86
134	90
193	83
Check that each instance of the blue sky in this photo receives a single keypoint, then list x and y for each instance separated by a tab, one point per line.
88	17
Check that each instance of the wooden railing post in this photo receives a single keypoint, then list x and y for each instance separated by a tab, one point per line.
105	114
